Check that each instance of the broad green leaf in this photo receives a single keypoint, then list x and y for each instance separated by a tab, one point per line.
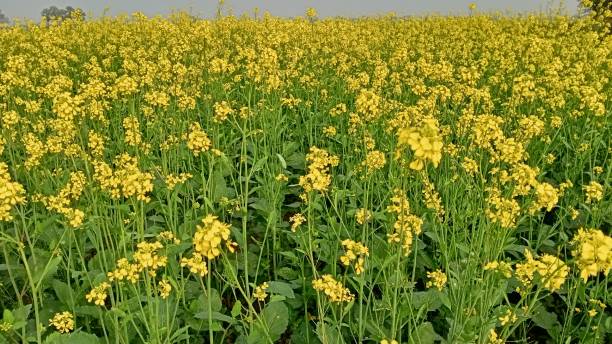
215	316
328	334
282	161
64	293
424	334
275	318
44	269
236	309
7	316
281	288
72	338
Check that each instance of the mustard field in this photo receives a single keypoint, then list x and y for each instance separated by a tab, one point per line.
434	179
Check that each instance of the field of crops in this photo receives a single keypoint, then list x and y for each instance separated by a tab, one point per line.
265	180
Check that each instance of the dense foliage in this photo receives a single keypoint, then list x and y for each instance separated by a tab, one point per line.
259	180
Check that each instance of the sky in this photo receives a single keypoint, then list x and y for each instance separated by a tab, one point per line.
287	8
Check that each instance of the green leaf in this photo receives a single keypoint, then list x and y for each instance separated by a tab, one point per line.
236	309
282	161
42	270
215	316
256	336
73	338
181	335
219	186
424	334
430	298
7	316
287	273
22	313
19	324
93	311
201	304
281	288
275	318
259	164
328	334
296	161
82	338
547	321
276	298
64	293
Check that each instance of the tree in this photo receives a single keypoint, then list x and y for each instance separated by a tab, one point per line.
601	9
598	6
52	12
3	18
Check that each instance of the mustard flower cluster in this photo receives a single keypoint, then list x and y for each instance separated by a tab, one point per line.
594	192
501	267
501	210
126	180
552	272
334	290
131	126
425	142
437	279
70	193
221	111
593	252
432	197
63	322
363	215
11	193
374	161
354	252
547	197
95	144
296	221
98	294
318	177
260	291
164	288
207	241
406	225
197	139
172	180
368	104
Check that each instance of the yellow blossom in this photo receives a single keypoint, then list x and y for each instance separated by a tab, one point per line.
318	177
260	291
164	288
209	236
197	140
593	252
98	294
437	279
296	221
593	191
363	215
425	141
334	290
508	318
63	322
11	193
354	252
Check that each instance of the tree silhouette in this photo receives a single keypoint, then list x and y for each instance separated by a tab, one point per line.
3	18
597	6
52	12
602	9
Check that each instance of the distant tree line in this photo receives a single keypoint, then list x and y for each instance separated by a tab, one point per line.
3	18
54	12
602	9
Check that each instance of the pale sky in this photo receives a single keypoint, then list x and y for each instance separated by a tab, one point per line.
287	8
